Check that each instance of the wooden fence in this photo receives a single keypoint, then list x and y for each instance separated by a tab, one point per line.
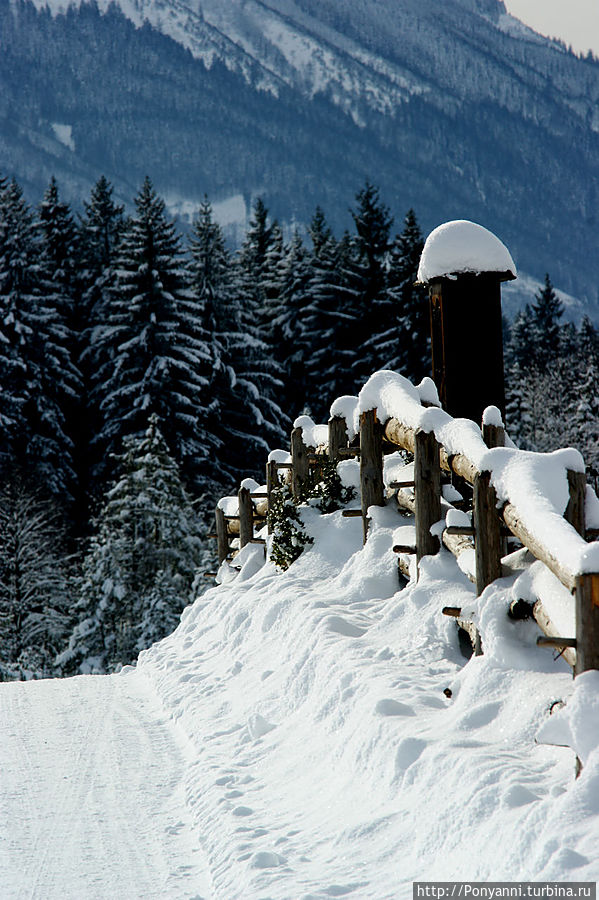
423	497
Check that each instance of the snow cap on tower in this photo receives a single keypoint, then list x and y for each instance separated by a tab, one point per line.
461	247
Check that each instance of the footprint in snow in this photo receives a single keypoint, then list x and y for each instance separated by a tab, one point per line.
225	779
389	707
340	626
480	716
408	751
340	890
518	795
266	859
243	811
258	726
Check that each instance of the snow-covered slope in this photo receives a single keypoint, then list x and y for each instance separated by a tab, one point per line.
332	740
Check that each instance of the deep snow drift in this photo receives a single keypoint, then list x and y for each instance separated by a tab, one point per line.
329	760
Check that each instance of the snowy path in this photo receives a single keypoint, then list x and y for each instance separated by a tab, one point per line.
92	801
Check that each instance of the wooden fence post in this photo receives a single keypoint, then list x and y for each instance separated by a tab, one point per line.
574	514
587	623
246	517
494	436
337	436
587	586
488	543
222	540
272	481
300	473
371	464
427	492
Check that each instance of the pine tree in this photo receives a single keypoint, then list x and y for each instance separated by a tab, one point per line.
546	313
328	315
34	584
366	278
287	338
100	231
59	246
36	372
99	234
148	356
261	422
218	318
403	339
138	572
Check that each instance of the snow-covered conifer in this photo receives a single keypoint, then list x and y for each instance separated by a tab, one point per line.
149	356
138	572
546	313
37	375
402	341
367	277
34	584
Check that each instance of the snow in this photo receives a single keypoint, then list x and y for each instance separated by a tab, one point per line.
328	759
304	744
577	724
229	505
311	733
492	416
312	435
345	408
250	484
280	456
428	393
462	246
93	793
64	134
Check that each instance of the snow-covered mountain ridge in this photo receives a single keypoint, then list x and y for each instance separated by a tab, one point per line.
453	108
293	43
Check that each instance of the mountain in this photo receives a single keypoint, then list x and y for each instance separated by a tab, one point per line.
454	108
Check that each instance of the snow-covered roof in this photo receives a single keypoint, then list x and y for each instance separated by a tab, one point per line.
462	246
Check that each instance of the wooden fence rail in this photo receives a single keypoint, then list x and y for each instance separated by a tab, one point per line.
423	497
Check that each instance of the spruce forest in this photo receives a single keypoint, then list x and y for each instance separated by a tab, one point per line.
144	373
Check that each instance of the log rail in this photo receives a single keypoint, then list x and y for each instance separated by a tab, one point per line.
422	496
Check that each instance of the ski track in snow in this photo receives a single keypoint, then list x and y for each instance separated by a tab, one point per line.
92	802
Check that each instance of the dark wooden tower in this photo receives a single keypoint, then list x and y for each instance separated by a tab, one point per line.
465	316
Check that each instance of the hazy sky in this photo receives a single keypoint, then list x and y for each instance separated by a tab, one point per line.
574	21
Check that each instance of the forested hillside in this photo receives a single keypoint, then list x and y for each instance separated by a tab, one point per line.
144	375
454	109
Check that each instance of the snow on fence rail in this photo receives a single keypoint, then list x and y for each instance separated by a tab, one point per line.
541	499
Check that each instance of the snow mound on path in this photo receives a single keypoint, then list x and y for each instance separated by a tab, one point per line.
330	760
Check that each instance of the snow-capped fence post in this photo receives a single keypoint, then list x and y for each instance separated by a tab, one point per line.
337	437
272	481
427	492
372	488
587	623
246	517
300	472
463	266
222	540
